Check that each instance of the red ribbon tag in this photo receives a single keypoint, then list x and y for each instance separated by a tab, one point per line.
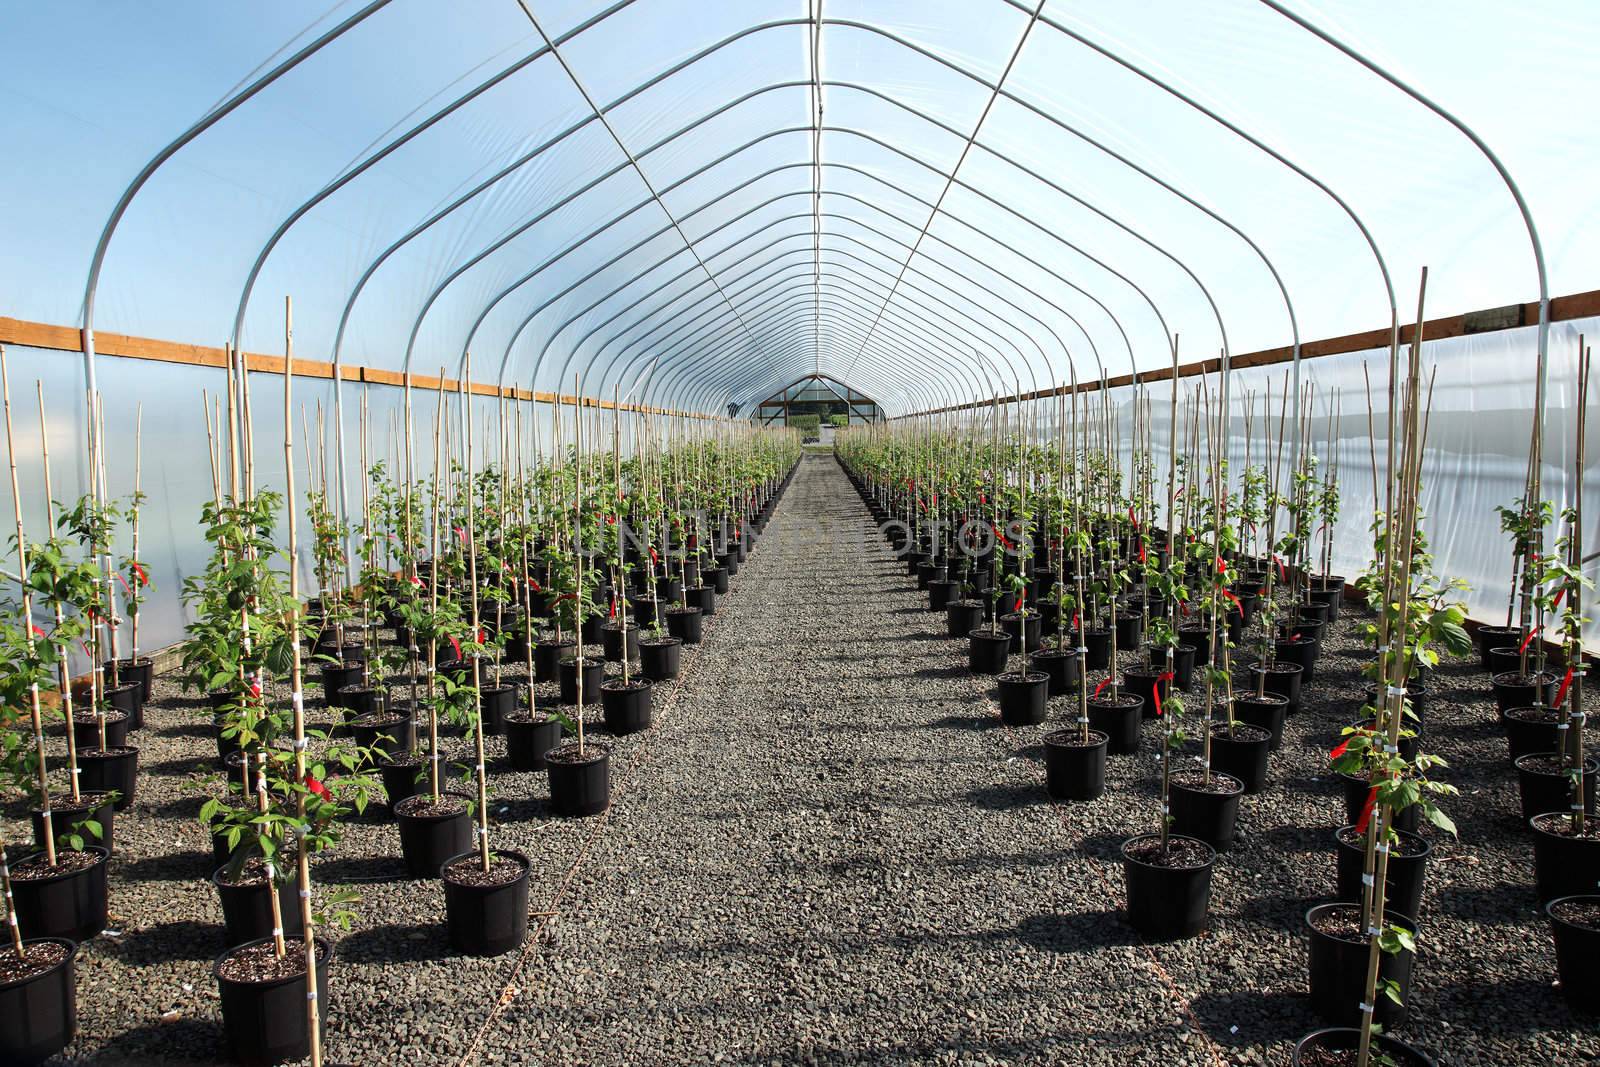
1526	641
1142	557
611	520
1561	694
534	585
124	582
1366	810
316	788
1155	691
1560	596
143	579
1222	568
1102	685
1236	602
1133	518
982	499
1283	572
1074	620
1018	605
37	632
613	607
653	557
456	645
461	532
1340	749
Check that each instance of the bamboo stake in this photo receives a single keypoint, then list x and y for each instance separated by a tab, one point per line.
472	592
63	671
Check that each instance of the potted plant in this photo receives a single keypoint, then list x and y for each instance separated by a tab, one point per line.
38	988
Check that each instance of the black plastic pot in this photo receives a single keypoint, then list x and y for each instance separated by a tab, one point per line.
616	644
1205	815
86	729
1563	865
400	780
1166	903
547	657
594	672
1073	770
660	657
387	734
1577	949
1025	630
1130	629
127	697
962	617
70	905
579	784
1119	720
141	671
529	738
39	1013
496	702
705	598
1346	1039
336	677
647	612
941	592
1531	730
717	579
686	624
1022	697
1298	650
1242	753
485	920
114	769
1513	690
1283	679
1097	639
627	706
1198	639
1489	638
1407	871
1329	591
63	818
1145	683
265	1023
1338	971
1542	784
247	909
1061	666
1263	712
428	838
987	652
1182	663
361	699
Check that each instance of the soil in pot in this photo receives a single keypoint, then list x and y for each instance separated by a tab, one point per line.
580	779
65	900
1022	697
247	903
264	1001
660	658
486	912
1282	678
1241	751
86	729
1206	811
1575	924
1565	862
1532	730
1515	690
386	734
1543	786
1073	769
113	769
1169	891
529	735
1408	868
38	1000
1338	965
1339	1047
431	833
68	816
626	705
1025	630
987	651
1118	718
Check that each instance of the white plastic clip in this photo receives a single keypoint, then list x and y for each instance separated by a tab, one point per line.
1395	690
1366	1009
1368	880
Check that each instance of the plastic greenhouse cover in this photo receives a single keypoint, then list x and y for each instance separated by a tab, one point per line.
975	191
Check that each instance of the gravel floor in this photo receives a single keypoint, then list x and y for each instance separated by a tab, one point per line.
830	851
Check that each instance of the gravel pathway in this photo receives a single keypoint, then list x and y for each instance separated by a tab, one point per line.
830	851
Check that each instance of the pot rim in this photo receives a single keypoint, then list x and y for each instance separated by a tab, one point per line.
469	801
1591	764
603	752
1093	733
324	956
1564	813
1424	854
105	857
1305	1043
1123	850
509	853
71	957
1389	913
1553	917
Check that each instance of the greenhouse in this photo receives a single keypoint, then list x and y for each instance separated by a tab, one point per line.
799	532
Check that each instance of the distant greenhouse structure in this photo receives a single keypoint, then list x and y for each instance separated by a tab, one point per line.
819	395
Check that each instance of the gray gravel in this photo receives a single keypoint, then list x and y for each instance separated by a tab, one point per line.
830	851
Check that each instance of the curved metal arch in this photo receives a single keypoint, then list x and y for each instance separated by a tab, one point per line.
934	342
828	381
551	338
858	259
933	280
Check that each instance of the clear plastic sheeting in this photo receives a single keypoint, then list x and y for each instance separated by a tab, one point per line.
932	201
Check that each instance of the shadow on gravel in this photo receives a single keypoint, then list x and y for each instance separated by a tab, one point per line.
1074	932
1250	1018
174	867
203	731
1004	797
1504	903
177	808
362	869
955	670
175	1041
179	940
1292	839
973	723
396	943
